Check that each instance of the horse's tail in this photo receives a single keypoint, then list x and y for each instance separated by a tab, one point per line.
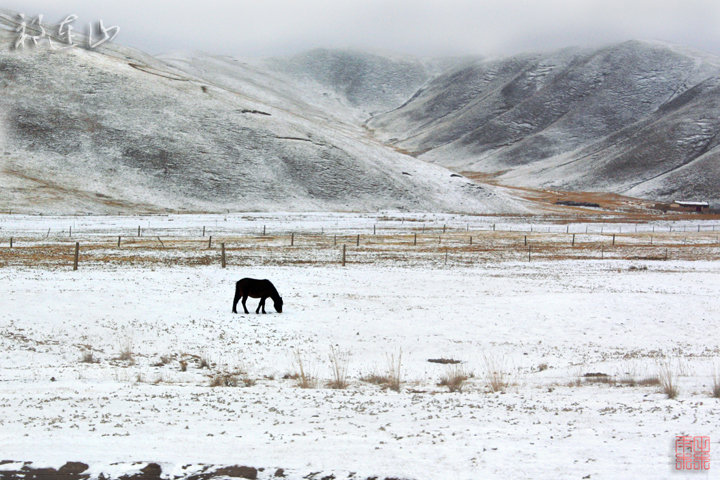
238	296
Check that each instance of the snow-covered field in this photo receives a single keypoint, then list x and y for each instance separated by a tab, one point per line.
160	335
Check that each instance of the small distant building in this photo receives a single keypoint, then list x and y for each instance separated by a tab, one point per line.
700	207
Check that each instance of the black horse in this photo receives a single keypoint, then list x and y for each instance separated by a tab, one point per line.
262	289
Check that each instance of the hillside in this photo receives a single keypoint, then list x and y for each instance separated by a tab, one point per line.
115	130
636	118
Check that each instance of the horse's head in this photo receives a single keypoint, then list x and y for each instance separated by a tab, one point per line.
278	304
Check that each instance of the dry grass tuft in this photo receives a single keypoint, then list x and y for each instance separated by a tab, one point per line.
89	357
203	362
231	380
495	373
375	379
629	381
668	378
304	379
454	379
126	352
339	365
716	383
395	371
164	360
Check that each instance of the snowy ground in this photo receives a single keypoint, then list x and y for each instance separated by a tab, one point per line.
543	325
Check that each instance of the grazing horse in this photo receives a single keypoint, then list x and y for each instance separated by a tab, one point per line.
262	289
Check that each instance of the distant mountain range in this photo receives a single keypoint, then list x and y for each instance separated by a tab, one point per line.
116	130
636	118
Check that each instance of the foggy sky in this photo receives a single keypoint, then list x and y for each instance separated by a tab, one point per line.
424	28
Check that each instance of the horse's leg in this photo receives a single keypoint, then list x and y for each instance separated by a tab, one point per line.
244	299
263	304
238	294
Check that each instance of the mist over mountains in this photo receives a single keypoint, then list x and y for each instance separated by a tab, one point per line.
115	130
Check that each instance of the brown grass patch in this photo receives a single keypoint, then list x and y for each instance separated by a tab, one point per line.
454	379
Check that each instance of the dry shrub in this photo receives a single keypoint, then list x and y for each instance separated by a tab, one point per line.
668	378
716	382
642	382
224	380
454	379
89	357
628	381
304	379
394	371
376	379
126	351
203	362
164	360
339	366
495	373
230	380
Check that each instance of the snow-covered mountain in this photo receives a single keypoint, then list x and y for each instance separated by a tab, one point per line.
638	118
114	130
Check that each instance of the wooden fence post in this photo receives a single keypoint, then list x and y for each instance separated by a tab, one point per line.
444	228
138	230
357	241
470	239
334	240
373	229
526	240
292	239
415	240
613	239
264	230
222	247
343	256
573	240
118	241
70	231
11	240
203	230
210	242
77	255
529	251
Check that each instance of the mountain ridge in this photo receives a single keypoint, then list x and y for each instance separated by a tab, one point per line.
115	128
115	131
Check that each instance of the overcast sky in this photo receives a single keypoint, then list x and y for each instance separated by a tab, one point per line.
420	27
